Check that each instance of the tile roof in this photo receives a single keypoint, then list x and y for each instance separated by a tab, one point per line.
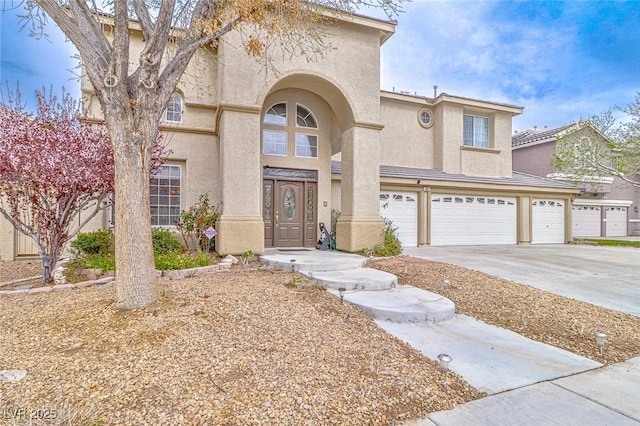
518	179
531	135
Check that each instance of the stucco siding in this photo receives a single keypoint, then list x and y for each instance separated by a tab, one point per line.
534	160
404	142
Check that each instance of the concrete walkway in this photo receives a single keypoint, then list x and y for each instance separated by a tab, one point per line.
606	396
529	383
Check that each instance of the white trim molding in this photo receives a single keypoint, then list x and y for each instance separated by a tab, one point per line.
605	203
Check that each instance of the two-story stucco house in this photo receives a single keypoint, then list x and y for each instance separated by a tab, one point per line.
278	151
608	206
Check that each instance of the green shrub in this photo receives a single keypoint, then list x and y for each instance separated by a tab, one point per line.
391	245
165	242
174	261
97	242
197	219
94	261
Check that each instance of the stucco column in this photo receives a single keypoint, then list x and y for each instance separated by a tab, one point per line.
7	240
240	227
360	225
424	198
524	220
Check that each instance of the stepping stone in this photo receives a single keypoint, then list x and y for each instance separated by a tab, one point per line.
12	375
403	304
312	261
354	279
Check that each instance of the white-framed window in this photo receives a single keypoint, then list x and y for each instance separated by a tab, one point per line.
306	145
476	131
276	115
305	118
274	142
164	196
425	118
174	109
278	131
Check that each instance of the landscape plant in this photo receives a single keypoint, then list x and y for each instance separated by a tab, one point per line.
56	169
195	220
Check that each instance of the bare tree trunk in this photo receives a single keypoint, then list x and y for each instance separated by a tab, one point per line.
135	270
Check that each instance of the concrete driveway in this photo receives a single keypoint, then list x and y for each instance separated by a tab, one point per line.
604	276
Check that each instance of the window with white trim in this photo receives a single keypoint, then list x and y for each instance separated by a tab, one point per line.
476	131
164	196
278	130
276	115
306	145
174	109
305	118
274	142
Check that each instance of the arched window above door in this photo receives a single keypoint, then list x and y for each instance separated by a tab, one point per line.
276	115
281	136
305	118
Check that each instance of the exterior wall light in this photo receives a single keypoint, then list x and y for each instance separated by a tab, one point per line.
342	290
601	339
444	361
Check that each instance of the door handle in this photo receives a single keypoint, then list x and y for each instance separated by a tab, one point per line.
276	218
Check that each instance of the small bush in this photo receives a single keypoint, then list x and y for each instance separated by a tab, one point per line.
97	242
391	244
94	261
174	261
165	242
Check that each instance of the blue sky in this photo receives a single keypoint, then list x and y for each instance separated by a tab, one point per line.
561	60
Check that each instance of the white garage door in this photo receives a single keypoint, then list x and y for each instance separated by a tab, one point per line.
402	209
616	222
548	221
585	221
472	219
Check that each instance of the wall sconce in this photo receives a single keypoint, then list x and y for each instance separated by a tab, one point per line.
444	361
601	339
635	209
342	290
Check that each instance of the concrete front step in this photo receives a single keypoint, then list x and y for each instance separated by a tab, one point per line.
311	260
354	279
403	304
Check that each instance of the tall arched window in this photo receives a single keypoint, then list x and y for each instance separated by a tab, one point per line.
274	134
174	109
306	140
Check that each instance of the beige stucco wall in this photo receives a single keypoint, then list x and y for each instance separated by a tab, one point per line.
404	142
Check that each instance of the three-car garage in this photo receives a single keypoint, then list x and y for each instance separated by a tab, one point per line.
471	219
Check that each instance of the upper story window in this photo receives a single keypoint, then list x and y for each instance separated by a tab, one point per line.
277	115
174	109
476	131
277	131
305	118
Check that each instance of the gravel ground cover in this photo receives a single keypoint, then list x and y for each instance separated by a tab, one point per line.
556	320
10	271
250	346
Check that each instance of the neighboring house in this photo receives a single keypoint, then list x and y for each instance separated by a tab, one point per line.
608	207
279	151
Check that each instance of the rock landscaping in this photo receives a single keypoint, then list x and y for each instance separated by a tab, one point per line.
254	346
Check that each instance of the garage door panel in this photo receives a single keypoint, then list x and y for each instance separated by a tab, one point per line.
402	209
585	221
616	225
547	221
471	219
